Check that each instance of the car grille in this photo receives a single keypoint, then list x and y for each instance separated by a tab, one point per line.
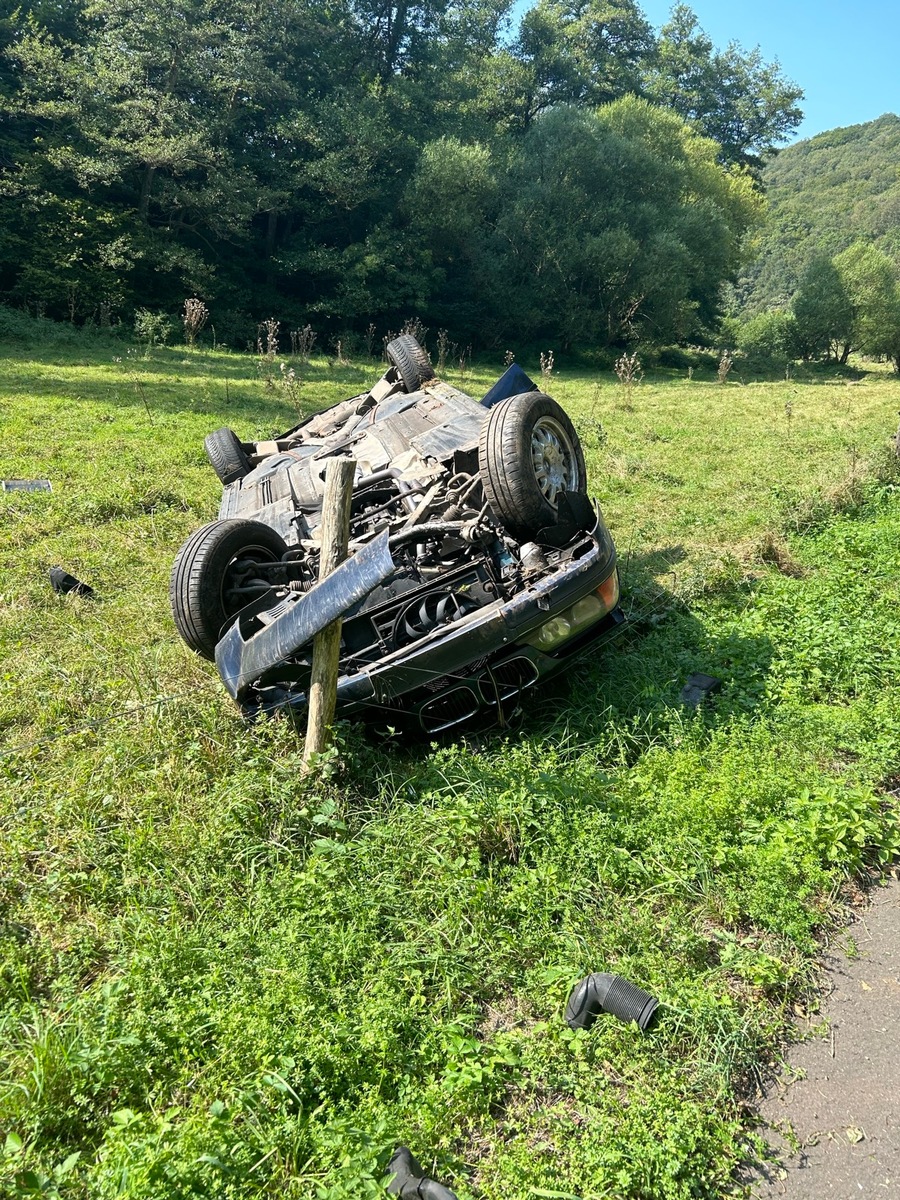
438	685
444	681
449	708
507	679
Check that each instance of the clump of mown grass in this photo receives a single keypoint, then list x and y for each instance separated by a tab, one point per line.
218	977
771	549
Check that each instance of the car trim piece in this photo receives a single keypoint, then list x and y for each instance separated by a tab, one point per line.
496	687
298	618
435	721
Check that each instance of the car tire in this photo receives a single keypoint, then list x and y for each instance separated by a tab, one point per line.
226	454
411	360
198	590
528	454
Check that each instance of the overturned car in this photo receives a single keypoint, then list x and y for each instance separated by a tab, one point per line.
477	564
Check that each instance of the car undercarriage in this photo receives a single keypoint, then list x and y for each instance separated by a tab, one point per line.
477	565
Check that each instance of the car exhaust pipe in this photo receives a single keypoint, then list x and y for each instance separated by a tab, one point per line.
598	994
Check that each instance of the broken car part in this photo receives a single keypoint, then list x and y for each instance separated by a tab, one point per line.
598	994
26	485
408	1180
698	688
63	583
296	619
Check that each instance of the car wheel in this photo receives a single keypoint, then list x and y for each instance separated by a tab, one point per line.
528	455
210	567
227	455
411	360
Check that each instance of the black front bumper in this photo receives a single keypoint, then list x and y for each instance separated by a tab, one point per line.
479	664
493	687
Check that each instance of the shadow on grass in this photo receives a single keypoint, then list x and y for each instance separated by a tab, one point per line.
632	685
638	572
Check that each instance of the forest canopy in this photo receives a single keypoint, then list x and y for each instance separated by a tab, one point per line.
584	178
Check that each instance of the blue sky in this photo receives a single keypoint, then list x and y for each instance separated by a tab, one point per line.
844	56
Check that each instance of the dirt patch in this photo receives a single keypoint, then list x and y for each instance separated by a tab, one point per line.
509	1013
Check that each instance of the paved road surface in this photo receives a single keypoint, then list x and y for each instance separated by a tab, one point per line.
845	1109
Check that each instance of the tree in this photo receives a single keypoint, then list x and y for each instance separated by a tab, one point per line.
769	335
734	96
871	281
823	313
581	52
457	236
141	116
616	224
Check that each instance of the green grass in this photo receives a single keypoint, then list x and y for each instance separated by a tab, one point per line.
221	981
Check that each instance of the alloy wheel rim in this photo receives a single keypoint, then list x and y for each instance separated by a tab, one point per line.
553	457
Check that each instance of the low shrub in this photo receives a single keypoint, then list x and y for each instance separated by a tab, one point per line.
768	336
21	329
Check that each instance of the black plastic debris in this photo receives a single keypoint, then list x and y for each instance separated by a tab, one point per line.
575	512
26	485
598	994
63	583
698	688
409	1181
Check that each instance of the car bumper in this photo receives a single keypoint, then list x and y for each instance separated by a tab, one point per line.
480	663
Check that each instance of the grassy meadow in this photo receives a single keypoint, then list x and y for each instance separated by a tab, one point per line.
219	980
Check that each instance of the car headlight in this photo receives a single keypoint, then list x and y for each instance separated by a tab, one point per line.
586	611
551	633
583	613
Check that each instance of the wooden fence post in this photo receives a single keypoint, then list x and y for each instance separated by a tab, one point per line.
339	474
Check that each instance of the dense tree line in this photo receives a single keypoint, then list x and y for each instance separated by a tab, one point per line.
582	178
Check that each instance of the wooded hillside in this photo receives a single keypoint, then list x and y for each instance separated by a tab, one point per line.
824	194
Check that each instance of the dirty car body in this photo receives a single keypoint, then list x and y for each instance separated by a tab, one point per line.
477	565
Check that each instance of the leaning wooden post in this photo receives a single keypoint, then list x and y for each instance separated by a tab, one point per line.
335	527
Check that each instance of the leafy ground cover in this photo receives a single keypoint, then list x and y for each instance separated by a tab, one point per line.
220	981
